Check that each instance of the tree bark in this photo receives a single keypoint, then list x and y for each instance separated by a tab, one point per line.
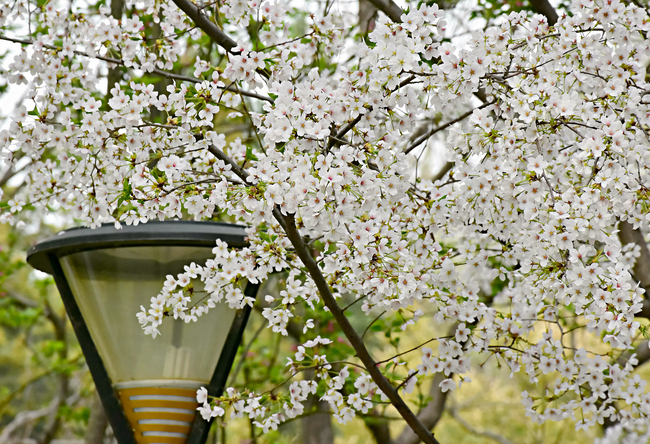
379	429
627	235
317	428
367	12
430	415
390	8
546	9
97	422
114	74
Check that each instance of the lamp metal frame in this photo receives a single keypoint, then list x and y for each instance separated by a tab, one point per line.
45	256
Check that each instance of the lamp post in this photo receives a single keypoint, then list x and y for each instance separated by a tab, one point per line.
147	386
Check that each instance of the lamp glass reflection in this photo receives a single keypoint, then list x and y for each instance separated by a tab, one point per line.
110	285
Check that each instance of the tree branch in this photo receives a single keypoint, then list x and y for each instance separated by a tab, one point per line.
337	139
5	402
24	418
544	7
429	415
316	427
642	352
6	177
357	343
160	72
211	29
390	8
203	22
394	12
443	171
234	166
627	235
379	428
114	73
366	14
420	140
288	224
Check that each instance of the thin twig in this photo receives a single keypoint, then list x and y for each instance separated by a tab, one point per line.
424	137
408	378
354	302
373	321
413	349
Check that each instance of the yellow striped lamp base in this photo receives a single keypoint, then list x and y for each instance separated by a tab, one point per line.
159	415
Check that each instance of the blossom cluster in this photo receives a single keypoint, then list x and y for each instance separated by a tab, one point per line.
517	246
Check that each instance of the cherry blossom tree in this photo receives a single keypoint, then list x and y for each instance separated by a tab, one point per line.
528	242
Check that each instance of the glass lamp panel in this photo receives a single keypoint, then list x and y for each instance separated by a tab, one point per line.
110	285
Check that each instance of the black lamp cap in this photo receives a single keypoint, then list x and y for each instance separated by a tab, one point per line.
170	232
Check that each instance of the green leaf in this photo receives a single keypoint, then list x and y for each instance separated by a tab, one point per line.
126	192
249	154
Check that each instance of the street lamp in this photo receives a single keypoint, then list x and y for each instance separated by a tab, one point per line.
147	386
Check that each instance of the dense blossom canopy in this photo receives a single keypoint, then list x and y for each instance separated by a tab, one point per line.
548	133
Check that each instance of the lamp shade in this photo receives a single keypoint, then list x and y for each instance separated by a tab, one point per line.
110	285
104	276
